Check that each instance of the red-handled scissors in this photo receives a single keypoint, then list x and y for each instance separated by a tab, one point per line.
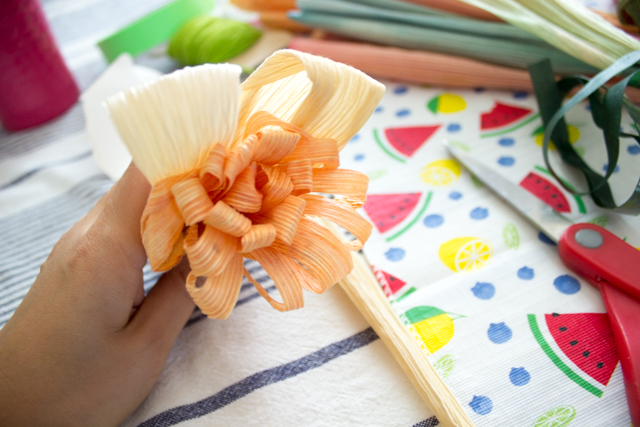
597	255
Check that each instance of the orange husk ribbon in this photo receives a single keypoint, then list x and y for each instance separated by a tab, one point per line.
257	205
252	196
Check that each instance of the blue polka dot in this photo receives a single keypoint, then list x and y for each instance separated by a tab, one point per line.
356	137
506	142
616	170
403	113
484	290
379	109
479	213
499	333
520	95
506	161
358	157
400	90
481	405
633	149
395	254
454	127
545	239
566	284
433	221
526	273
454	195
519	376
479	89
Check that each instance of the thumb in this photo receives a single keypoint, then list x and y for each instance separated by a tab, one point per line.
164	311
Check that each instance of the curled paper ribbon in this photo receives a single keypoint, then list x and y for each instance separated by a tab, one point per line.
231	184
606	108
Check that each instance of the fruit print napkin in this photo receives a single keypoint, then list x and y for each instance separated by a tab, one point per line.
519	339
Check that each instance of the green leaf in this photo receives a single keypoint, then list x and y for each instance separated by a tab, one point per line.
432	105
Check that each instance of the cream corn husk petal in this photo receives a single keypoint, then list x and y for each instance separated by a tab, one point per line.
327	99
170	125
233	170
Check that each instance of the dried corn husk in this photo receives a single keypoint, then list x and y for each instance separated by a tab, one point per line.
232	168
568	25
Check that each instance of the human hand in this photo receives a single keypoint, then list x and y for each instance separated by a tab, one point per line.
85	346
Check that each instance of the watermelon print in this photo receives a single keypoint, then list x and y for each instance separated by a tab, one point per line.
405	141
388	210
391	212
544	190
504	118
581	207
583	338
390	283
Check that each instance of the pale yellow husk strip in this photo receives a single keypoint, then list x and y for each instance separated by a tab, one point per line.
229	184
568	25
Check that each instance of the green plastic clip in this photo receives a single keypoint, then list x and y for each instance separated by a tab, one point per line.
153	29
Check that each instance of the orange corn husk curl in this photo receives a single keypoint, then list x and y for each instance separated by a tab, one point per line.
234	167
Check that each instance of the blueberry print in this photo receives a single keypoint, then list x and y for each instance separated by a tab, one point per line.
379	109
525	273
454	127
520	95
433	221
566	284
616	170
499	333
355	137
481	405
358	157
633	149
403	113
479	89
519	376
484	290
506	161
545	239
479	213
395	254
454	195
506	142
400	90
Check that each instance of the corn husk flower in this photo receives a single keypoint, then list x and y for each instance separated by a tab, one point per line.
235	171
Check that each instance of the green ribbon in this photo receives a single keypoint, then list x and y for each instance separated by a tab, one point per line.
606	109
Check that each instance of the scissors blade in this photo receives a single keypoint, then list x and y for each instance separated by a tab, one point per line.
535	210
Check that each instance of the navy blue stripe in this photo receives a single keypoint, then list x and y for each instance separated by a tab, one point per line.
26	175
86	192
429	422
18	143
261	379
239	302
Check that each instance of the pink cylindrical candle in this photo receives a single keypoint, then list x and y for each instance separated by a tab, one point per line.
35	83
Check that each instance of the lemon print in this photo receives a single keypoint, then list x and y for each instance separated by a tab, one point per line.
441	172
465	254
444	366
574	135
511	236
434	326
556	417
446	103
